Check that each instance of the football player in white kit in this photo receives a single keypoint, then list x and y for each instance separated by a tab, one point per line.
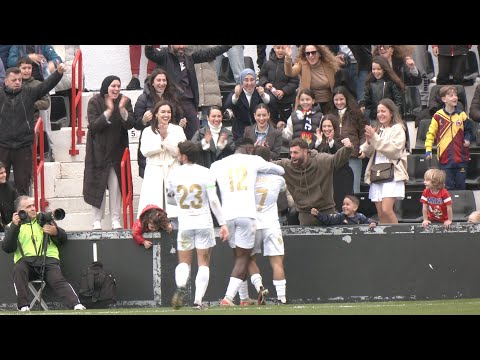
236	176
269	232
193	187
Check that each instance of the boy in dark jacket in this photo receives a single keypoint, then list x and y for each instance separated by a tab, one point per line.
273	78
349	216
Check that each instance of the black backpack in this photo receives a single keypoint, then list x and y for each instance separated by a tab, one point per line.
98	288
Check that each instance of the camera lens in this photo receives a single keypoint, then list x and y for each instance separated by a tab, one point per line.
23	216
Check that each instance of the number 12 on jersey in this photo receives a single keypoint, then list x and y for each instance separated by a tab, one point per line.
237	176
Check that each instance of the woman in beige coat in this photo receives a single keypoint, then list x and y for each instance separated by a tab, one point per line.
386	143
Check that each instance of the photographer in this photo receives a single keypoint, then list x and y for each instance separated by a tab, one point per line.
25	236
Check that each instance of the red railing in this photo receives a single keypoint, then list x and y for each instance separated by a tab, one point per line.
77	102
127	188
39	166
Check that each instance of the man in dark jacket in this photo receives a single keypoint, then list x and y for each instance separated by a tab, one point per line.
17	123
180	67
35	245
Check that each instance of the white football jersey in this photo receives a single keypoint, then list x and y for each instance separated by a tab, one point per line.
189	183
267	188
236	175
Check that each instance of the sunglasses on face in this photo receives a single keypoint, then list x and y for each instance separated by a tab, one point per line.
386	47
311	53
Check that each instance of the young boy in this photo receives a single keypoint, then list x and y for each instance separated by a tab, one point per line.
474	217
272	76
349	216
436	200
452	133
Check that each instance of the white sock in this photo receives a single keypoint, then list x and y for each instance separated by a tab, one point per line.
281	288
201	283
243	290
256	280
233	286
182	272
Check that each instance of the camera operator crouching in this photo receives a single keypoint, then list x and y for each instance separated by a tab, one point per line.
34	239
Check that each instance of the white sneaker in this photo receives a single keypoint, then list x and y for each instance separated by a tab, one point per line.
116	225
25	308
97	225
79	307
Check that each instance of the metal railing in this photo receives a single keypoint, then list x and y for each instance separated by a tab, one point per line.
127	188
77	102
39	165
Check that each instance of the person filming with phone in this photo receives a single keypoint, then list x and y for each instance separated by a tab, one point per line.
34	240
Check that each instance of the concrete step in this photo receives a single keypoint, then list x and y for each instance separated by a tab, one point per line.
83	222
81	219
73	187
73	205
62	143
75	170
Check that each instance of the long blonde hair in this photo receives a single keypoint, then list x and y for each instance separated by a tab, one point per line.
326	56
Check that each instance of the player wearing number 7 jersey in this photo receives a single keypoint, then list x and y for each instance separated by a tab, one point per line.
194	190
236	175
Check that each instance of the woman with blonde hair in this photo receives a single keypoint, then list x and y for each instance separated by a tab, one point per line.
316	66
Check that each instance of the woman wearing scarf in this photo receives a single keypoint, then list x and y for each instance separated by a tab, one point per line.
243	100
110	115
215	139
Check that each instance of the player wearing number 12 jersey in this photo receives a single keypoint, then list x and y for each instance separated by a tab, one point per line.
236	175
195	193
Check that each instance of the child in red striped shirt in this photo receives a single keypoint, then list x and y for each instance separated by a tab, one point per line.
436	200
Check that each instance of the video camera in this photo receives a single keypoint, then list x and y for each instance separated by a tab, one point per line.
43	218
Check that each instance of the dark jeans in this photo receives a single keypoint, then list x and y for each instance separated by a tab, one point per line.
454	65
455	178
24	271
191	114
21	159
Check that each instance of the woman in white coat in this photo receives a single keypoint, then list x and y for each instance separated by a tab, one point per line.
160	147
386	144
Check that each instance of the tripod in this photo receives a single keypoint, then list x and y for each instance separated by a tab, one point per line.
43	248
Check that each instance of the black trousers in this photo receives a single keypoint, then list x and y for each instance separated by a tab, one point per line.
191	114
21	159
24	271
454	65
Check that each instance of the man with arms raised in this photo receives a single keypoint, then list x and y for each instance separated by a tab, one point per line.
310	178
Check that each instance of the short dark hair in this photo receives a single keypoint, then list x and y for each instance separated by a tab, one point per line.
244	145
354	199
2	165
19	200
444	90
299	142
12	70
24	60
264	152
190	149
